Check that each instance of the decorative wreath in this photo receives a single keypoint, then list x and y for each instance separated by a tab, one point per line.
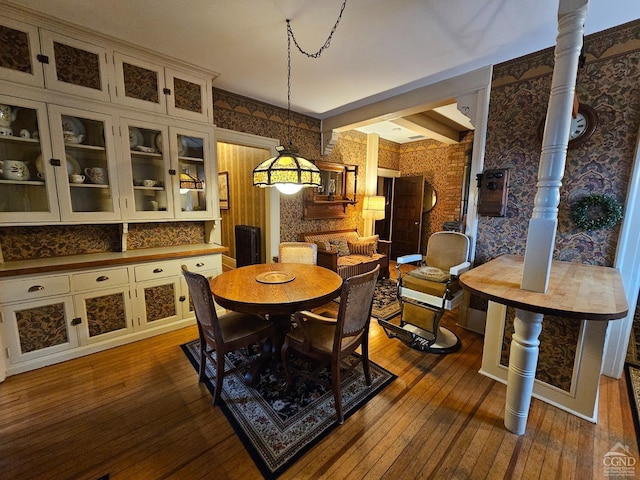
595	212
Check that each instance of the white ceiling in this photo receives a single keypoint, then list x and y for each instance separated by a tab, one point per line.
381	47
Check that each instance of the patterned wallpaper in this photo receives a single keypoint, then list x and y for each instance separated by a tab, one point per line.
519	96
518	102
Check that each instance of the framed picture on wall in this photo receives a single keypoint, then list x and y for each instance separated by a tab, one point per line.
223	190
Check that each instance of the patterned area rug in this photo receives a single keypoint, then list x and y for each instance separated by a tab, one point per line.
633	383
278	428
385	300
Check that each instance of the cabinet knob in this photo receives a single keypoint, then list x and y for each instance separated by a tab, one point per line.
157	270
76	321
36	288
102	278
182	298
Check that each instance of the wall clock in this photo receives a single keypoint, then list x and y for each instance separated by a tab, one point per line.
582	126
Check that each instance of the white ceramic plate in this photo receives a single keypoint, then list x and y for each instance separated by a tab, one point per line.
73	167
135	138
72	124
158	142
182	145
193	142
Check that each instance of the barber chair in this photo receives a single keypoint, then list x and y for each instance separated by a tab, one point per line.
426	292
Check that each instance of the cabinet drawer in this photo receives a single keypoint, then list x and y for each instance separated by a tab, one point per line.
19	290
157	270
99	279
199	264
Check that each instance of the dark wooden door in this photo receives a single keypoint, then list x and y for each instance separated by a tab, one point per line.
407	216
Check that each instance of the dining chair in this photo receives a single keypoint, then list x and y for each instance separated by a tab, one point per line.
298	252
226	333
329	340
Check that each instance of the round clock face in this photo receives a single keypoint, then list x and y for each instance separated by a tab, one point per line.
582	127
578	126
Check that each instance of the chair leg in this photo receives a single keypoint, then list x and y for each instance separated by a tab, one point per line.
365	363
219	378
203	363
336	382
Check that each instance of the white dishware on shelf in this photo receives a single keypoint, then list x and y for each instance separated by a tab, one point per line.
96	175
14	170
77	178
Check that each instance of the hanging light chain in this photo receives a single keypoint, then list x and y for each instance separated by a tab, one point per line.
291	36
326	43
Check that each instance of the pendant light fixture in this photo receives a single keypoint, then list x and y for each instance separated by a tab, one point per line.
288	171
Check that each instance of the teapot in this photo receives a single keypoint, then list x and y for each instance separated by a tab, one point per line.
14	170
69	137
7	115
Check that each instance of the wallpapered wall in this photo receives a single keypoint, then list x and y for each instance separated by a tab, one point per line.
519	97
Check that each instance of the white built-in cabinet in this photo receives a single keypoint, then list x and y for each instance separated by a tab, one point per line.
138	128
92	131
52	318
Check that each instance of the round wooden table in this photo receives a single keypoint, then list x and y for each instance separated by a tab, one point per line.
296	287
311	287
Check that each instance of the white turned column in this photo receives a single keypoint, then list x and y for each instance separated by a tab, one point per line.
523	360
544	221
541	235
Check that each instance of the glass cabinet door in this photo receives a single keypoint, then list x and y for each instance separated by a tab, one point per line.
147	180
27	183
194	170
19	47
86	174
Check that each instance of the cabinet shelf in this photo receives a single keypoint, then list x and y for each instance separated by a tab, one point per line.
191	159
147	188
139	153
9	138
80	146
87	185
22	182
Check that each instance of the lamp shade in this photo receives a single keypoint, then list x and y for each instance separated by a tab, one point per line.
287	171
373	207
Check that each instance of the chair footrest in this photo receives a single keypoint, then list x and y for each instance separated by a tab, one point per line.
411	335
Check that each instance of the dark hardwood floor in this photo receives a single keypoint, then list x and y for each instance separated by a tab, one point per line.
138	412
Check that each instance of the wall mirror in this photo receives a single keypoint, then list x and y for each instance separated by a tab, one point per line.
337	190
429	197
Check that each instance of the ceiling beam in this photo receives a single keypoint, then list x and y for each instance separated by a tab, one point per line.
429	127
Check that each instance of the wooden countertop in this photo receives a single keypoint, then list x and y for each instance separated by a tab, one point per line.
575	290
92	260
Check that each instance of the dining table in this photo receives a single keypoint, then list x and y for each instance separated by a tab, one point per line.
275	291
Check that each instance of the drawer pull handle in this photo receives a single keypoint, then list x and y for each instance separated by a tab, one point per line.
182	298
102	278
200	264
157	270
36	288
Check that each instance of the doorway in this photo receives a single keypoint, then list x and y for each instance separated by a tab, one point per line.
237	154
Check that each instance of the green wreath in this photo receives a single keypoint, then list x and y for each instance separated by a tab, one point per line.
595	212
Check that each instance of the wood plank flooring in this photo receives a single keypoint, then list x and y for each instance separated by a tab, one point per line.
138	412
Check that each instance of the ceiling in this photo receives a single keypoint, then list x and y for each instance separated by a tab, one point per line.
380	48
